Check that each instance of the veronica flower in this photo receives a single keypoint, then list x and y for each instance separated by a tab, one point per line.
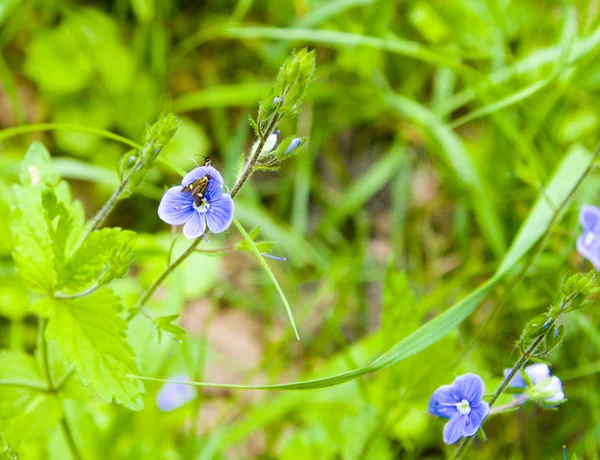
462	403
588	244
174	395
197	206
545	386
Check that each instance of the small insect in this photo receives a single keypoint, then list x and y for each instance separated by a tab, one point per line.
198	187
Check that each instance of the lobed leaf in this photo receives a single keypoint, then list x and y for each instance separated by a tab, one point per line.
92	336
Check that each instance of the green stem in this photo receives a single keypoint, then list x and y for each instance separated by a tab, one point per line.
514	371
247	172
68	434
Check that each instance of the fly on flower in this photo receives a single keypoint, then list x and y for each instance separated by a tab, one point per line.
199	201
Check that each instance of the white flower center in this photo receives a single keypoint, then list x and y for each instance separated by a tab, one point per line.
463	407
203	208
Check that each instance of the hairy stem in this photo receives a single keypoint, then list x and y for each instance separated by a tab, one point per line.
516	369
244	176
515	403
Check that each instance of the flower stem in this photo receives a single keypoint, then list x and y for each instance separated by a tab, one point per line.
515	403
44	358
68	434
516	369
244	176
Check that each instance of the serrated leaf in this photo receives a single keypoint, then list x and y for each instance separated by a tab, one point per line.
104	255
33	248
59	224
36	168
92	336
27	410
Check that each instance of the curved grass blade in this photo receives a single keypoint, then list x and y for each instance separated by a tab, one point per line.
265	265
568	175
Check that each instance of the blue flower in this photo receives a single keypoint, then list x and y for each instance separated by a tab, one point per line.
196	203
174	395
462	402
588	244
545	386
293	145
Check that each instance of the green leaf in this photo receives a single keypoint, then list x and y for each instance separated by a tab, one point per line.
33	248
27	410
92	336
569	173
36	168
103	256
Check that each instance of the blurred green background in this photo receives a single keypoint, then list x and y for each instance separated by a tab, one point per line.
432	128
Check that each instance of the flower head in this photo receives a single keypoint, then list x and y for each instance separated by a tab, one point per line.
462	403
198	201
545	387
588	244
174	395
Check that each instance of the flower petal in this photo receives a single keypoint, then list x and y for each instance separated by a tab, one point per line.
470	387
174	395
588	245
476	417
220	213
454	429
517	381
176	208
443	402
195	226
589	217
538	372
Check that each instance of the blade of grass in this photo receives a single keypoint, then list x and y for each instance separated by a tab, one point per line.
568	175
265	265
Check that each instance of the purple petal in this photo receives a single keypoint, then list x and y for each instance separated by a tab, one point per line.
476	417
517	381
538	372
194	227
176	208
470	387
588	245
454	429
174	395
443	402
589	217
220	213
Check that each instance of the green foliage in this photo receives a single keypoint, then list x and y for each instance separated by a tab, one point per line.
27	410
104	255
92	336
135	164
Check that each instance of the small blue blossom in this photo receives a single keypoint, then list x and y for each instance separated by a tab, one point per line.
276	100
545	386
174	395
197	209
462	403
293	145
588	244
